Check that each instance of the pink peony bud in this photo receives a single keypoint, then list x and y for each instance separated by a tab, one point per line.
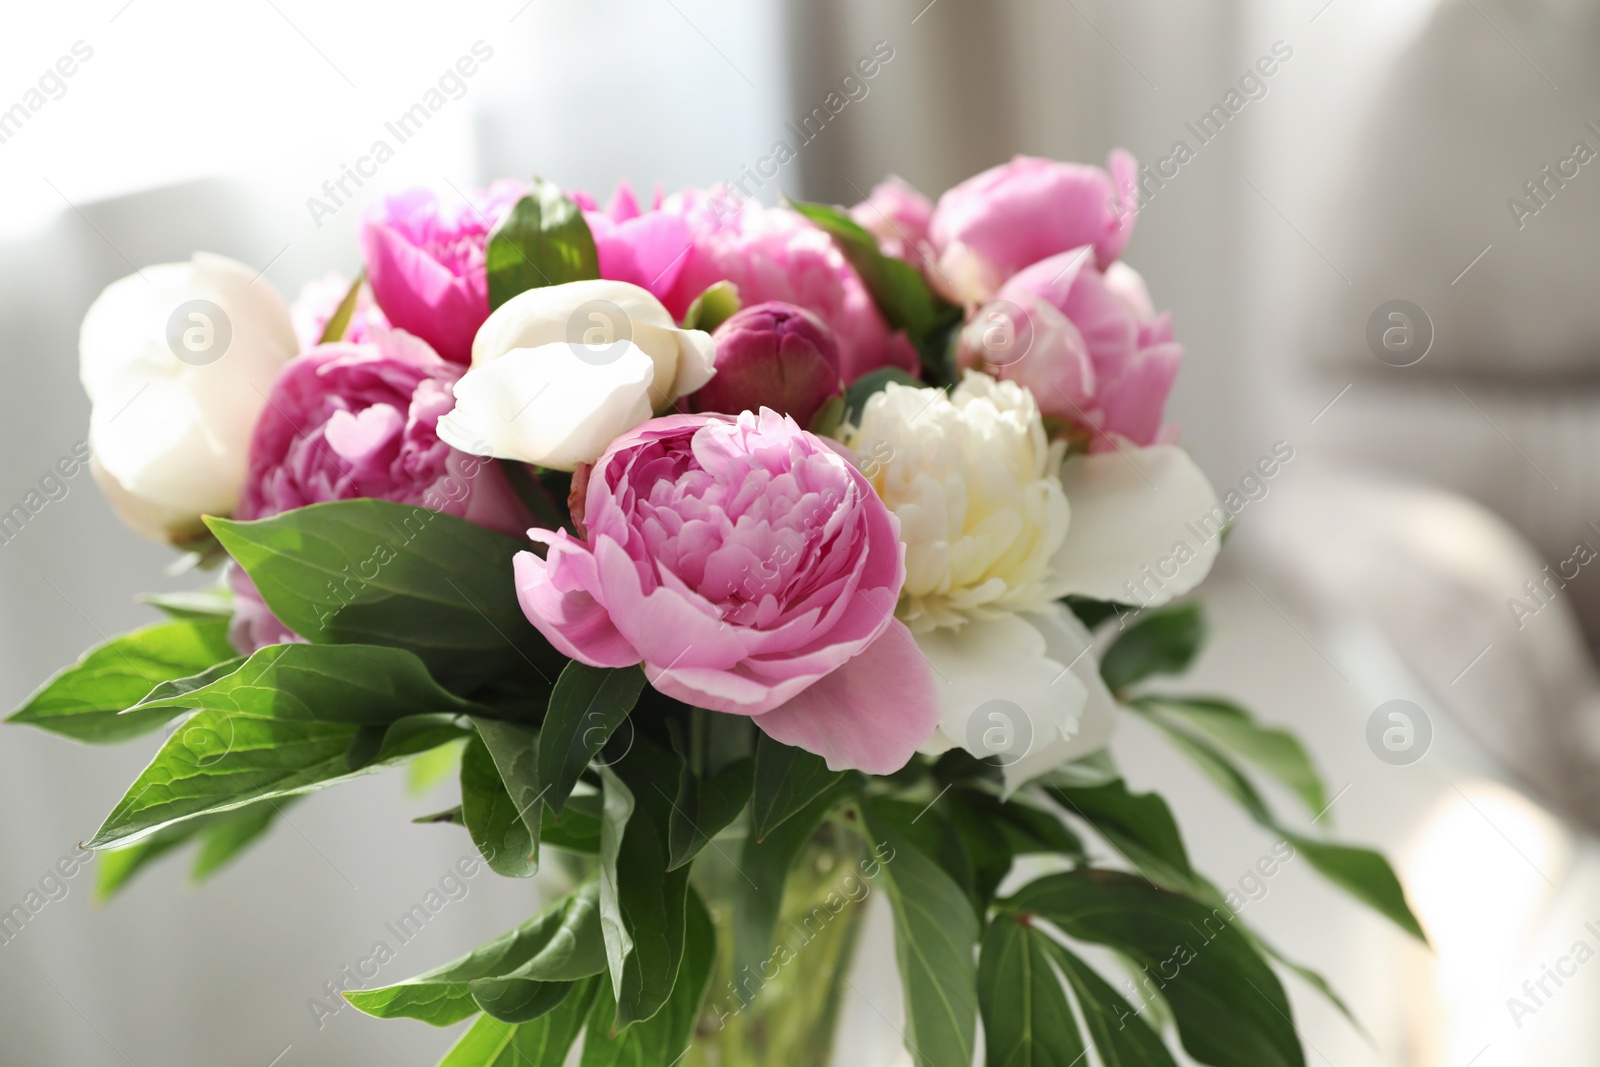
773	355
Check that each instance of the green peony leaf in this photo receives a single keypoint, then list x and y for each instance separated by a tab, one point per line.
1230	1009
1107	1015
559	946
1163	641
588	703
1027	1021
903	296
378	573
544	1042
641	902
84	701
542	241
787	779
1277	752
705	807
934	934
280	724
719	303
664	1037
763	870
497	826
1138	826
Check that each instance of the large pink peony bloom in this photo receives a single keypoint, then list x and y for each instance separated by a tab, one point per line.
775	254
753	570
898	215
425	261
647	248
1011	216
346	421
1089	346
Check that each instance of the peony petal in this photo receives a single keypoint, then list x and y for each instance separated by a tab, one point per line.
1001	693
869	715
1144	525
1068	641
570	618
548	406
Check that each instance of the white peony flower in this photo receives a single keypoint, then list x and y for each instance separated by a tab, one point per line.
560	371
998	528
178	360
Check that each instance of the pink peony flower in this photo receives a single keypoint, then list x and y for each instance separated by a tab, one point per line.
775	254
753	570
1088	345
320	298
898	215
347	421
425	262
645	248
773	355
996	223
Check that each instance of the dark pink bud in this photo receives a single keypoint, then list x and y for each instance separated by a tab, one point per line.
772	355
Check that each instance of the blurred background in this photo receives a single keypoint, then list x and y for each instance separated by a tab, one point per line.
1383	160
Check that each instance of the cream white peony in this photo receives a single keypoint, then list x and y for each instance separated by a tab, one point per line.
998	527
177	361
560	371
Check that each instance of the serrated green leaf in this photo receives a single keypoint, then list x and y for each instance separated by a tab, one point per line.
562	944
379	573
705	807
492	818
543	240
1164	641
1231	1010
787	779
935	932
662	1038
641	902
1108	1016
1027	1021
588	703
283	723
544	1042
83	701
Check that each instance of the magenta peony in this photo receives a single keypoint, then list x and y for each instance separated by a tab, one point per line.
773	355
1087	345
346	421
753	570
646	248
425	261
774	254
1011	216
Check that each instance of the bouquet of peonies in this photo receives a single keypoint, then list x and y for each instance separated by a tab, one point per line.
744	560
